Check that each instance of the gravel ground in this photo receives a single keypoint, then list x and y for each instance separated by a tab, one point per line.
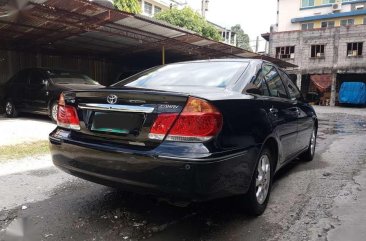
321	200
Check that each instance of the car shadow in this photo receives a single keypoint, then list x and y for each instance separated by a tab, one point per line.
82	210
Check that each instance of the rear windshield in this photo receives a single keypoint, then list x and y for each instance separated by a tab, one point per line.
63	77
210	74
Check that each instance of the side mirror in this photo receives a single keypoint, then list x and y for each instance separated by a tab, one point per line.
254	91
312	97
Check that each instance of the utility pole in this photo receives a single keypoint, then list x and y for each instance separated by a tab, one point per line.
204	7
257	44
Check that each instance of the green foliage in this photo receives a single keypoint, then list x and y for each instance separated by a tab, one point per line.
189	19
241	37
130	6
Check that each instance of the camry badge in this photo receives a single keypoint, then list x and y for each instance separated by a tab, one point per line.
112	99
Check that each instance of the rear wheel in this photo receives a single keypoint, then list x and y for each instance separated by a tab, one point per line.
308	155
10	109
260	187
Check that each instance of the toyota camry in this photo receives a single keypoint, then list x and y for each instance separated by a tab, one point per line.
195	130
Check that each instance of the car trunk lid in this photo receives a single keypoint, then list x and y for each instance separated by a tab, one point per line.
122	116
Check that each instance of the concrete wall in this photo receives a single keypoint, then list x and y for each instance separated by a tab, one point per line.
335	41
289	9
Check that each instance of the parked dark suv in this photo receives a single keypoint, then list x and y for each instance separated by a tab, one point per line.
37	90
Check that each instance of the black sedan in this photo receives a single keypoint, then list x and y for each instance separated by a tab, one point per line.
37	90
193	130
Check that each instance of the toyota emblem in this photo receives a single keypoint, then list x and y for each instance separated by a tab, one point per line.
112	99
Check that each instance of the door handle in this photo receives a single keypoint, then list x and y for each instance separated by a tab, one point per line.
297	111
273	111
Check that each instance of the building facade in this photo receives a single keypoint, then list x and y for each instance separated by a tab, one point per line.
152	7
228	36
325	38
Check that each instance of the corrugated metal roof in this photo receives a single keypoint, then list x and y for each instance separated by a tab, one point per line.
82	26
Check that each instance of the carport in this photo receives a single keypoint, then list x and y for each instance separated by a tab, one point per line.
102	42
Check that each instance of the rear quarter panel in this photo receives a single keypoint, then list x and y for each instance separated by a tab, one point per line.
245	128
245	123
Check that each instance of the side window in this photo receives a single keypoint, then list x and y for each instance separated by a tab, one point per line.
274	82
21	77
35	78
292	89
257	85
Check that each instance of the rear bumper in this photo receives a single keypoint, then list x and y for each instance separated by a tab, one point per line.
196	179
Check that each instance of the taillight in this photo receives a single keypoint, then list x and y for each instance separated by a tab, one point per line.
67	116
199	121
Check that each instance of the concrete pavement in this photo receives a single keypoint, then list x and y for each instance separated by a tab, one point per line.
27	128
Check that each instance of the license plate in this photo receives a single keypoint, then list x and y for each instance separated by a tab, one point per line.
117	123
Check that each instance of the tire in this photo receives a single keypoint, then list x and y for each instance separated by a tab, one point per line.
308	155
255	200
53	111
10	109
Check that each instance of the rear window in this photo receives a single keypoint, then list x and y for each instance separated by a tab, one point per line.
64	77
210	74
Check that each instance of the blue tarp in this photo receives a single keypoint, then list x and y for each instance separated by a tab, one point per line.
353	93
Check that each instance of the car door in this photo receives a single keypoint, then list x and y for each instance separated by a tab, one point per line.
16	89
304	119
37	91
282	111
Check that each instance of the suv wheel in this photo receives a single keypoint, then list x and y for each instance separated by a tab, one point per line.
10	110
260	187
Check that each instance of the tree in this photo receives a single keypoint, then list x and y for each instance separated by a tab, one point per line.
130	6
242	39
189	19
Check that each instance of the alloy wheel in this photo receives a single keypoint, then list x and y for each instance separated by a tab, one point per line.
9	108
263	178
312	143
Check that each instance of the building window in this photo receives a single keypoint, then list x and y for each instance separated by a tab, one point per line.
354	49
157	9
287	52
307	26
328	24
346	22
328	1
307	3
317	51
148	8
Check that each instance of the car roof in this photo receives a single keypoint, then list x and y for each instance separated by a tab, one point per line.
50	69
222	60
